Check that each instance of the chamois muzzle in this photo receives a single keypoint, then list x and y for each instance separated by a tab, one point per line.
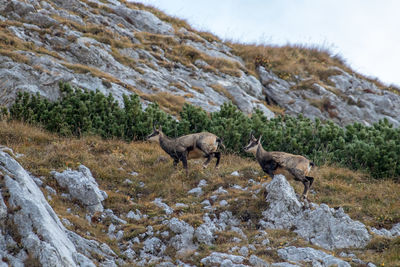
156	132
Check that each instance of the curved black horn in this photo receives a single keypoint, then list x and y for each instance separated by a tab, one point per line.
155	123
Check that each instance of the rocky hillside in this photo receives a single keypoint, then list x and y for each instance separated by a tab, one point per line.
68	201
122	48
127	206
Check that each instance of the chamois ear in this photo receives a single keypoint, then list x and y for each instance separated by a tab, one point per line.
259	139
251	136
160	128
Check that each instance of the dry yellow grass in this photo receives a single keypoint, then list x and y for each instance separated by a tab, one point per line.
276	109
15	56
169	102
186	54
178	85
10	44
375	203
223	91
198	89
127	61
289	60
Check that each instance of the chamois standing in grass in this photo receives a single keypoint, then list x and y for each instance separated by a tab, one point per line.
298	166
192	146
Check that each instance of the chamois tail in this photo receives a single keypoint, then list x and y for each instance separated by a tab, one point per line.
220	144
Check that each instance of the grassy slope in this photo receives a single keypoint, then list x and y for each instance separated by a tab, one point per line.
375	203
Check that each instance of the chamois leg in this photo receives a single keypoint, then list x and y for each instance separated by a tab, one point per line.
209	158
218	156
184	162
176	161
298	176
311	179
269	171
269	167
306	184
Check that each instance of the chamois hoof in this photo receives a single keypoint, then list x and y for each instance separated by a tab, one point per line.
304	198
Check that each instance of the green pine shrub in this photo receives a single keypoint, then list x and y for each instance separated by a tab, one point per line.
375	149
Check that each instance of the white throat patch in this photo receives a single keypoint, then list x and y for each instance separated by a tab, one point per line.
155	139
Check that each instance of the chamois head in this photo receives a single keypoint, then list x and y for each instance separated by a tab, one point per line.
253	144
155	135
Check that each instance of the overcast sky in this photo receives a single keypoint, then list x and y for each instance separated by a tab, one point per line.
366	33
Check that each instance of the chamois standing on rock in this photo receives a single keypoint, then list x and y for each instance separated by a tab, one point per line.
298	166
192	146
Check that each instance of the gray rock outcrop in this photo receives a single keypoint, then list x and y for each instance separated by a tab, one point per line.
222	259
152	72
31	230
321	225
90	62
350	98
82	186
393	232
310	255
29	225
183	239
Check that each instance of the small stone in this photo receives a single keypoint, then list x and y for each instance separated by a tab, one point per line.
223	203
132	215
233	249
119	235
235	173
237	187
127	181
244	251
202	183
66	196
158	202
66	222
236	240
221	190
88	217
165	234
38	182
226	263
149	231
196	191
50	190
256	261
206	203
301	255
129	253
214	197
265	242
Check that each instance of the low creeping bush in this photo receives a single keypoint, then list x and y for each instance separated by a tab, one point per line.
375	149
